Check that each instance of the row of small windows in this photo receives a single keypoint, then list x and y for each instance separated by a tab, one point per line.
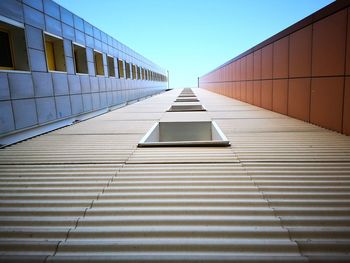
13	56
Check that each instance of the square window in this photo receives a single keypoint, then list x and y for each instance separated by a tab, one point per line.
54	53
110	62
98	58
133	71
121	68
80	59
127	70
13	49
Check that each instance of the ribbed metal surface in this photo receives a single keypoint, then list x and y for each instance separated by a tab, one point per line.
280	193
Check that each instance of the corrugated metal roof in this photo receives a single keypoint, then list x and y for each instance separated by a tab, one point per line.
280	193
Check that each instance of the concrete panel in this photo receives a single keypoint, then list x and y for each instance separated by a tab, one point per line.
21	85
34	37
46	109
94	84
97	33
79	37
89	55
4	87
89	41
60	83
108	84
33	17
280	58
11	9
91	69
77	104
97	44
67	45
327	102
266	94
78	23
300	53
266	62
299	98
280	96
257	93
95	101
102	83
85	84
109	98
328	48
25	113
87	102
74	84
53	25
35	4
68	32
88	29
42	84
52	9
70	65
103	99
6	117
66	17
63	106
346	110
37	60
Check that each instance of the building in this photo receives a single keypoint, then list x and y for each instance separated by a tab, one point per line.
182	176
303	71
56	68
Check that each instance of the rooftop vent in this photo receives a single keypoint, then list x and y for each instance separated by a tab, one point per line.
186	99
187	107
201	133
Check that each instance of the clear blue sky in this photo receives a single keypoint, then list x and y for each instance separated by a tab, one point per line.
191	37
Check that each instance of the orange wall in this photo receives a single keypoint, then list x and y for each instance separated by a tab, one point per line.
302	72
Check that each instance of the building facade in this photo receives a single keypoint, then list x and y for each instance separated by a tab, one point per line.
303	71
56	68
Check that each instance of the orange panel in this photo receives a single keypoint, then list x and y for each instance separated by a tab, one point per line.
243	91
266	62
280	58
250	64
299	98
280	96
327	102
238	69
257	65
230	72
346	111
243	68
266	94
348	46
238	90
328	48
231	89
300	53
250	97
257	93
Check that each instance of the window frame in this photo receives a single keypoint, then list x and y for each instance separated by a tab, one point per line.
97	61
4	30
109	66
74	58
45	49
